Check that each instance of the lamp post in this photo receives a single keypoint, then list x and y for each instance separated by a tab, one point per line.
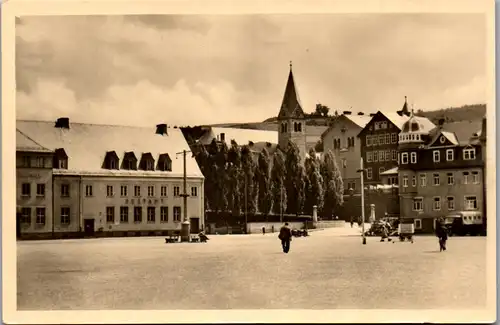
362	174
185	226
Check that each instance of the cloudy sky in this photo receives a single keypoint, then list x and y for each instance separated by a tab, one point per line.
188	70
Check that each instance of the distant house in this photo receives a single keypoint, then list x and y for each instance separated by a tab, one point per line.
240	136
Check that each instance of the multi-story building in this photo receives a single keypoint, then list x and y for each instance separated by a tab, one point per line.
440	171
117	179
341	138
33	186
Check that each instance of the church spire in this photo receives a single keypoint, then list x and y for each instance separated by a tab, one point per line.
290	106
404	110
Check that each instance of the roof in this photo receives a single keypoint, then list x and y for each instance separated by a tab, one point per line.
290	106
241	136
395	118
26	144
463	130
424	124
360	120
86	146
391	171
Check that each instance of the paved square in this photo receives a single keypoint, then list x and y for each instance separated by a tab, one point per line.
324	271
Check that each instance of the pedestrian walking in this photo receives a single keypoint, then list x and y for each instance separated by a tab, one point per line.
442	234
286	237
352	221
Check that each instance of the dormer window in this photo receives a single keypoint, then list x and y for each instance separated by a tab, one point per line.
147	162
111	160
469	154
164	163
60	159
129	161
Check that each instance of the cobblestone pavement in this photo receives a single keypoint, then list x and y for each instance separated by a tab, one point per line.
324	271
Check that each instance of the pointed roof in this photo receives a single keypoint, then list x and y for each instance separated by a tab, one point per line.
290	106
404	110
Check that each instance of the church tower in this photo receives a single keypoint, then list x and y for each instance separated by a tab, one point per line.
291	119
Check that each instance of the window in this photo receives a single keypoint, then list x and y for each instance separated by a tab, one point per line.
40	162
369	173
194	191
437	180
177	191
124	214
405	181
26	215
151	214
368	140
62	163
65	218
40	216
449	155
418	224
163	191
164	214
418	204
375	156
65	190
151	190
369	156
149	165
88	190
475	177
423	180
381	139
414	181
177	214
451	202
470	203
392	180
137	190
137	214
110	190
413	157
435	156
40	190
377	125
383	125
436	206
381	155
404	158
466	177
26	189
470	154
26	161
394	137
387	138
387	155
394	155
451	178
110	214
381	170
112	164
123	190
374	140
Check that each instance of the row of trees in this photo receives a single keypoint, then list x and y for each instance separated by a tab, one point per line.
271	183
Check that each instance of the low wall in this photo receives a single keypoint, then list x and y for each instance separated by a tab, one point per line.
330	224
256	227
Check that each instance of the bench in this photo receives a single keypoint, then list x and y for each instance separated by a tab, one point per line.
172	239
195	239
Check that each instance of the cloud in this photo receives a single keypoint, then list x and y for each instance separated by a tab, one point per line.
205	69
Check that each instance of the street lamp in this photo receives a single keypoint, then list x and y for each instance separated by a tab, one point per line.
361	172
185	226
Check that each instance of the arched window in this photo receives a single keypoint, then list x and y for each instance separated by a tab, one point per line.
300	127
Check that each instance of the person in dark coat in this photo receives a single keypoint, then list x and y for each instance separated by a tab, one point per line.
442	234
286	237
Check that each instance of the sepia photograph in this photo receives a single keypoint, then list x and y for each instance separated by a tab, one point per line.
224	160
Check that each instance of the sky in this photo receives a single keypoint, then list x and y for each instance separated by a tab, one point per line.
194	69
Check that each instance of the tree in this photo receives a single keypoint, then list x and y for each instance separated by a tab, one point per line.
319	146
314	194
278	173
263	178
294	180
334	190
248	169
234	179
204	161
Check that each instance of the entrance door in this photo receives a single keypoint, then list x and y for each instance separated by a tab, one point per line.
88	226
195	225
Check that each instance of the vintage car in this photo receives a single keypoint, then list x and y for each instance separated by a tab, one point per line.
462	223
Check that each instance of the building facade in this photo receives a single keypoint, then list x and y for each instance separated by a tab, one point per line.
341	138
33	186
440	172
291	119
114	180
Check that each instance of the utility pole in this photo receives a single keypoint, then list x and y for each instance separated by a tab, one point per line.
185	227
362	175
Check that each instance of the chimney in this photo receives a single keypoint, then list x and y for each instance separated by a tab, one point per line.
62	123
347	112
161	129
372	114
361	113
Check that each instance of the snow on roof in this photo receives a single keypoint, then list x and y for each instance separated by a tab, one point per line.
359	120
26	144
395	118
86	146
391	171
241	136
